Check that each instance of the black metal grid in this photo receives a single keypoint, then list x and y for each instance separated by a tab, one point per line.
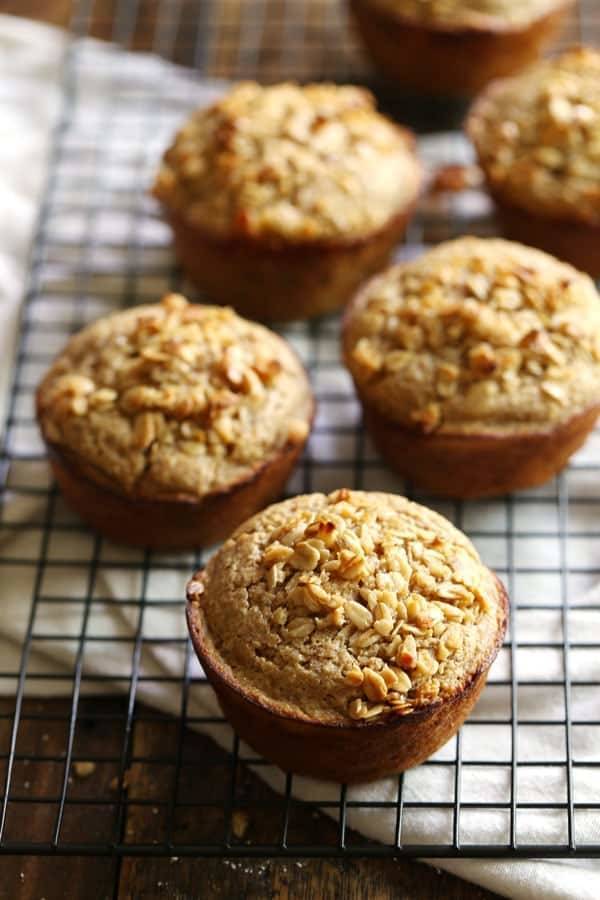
543	543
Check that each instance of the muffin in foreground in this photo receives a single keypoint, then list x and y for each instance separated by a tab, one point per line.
537	139
478	365
456	46
283	199
369	624
169	424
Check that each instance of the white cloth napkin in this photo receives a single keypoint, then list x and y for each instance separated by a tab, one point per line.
30	69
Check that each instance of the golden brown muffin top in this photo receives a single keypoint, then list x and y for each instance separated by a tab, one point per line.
289	162
174	398
537	136
470	13
477	336
350	606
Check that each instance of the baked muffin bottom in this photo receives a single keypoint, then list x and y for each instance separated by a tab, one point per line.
163	419
498	429
177	522
468	466
347	753
282	281
446	61
574	242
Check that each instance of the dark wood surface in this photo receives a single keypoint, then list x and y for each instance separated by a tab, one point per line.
96	878
98	740
197	879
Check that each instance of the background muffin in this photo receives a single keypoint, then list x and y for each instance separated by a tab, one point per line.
369	626
282	199
537	138
169	424
478	365
456	46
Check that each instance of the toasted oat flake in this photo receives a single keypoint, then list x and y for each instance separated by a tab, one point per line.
358	614
507	340
304	556
356	648
276	553
298	162
374	685
354	677
174	398
537	136
407	653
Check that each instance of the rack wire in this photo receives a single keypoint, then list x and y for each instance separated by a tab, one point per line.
158	787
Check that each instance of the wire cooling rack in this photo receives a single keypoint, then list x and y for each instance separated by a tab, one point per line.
100	245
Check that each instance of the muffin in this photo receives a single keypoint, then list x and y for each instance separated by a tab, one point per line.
456	46
169	424
537	137
477	365
283	199
369	625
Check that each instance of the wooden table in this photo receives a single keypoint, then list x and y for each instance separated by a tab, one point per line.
96	878
99	878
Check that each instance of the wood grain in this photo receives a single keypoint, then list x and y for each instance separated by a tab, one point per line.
204	775
56	12
82	878
177	29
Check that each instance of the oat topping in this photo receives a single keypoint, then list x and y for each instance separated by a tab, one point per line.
291	162
471	13
174	398
353	605
538	136
477	335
